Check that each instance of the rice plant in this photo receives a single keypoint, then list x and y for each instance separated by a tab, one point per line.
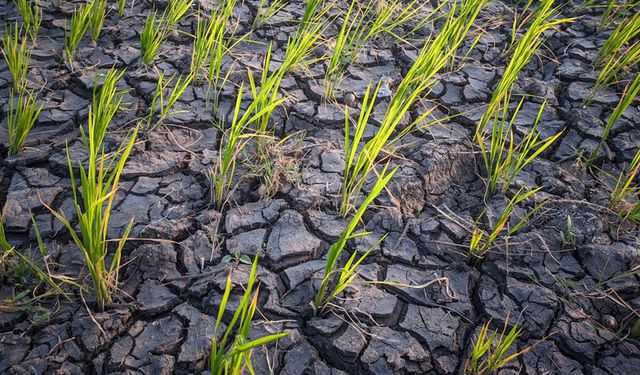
175	10
504	158
222	44
22	116
96	18
31	16
203	41
624	188
489	352
482	240
620	52
337	278
80	19
17	54
153	35
542	20
26	265
628	95
121	5
222	173
361	24
265	12
165	102
99	182
419	80
231	354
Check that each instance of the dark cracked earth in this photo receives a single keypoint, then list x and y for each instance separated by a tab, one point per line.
579	299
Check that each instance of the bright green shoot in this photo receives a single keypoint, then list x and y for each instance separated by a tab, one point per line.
504	157
163	102
231	354
121	5
96	18
490	350
153	35
203	41
222	173
482	240
98	186
22	116
359	27
17	54
31	16
419	79
624	188
176	9
221	46
265	12
628	95
336	279
543	19
619	53
78	27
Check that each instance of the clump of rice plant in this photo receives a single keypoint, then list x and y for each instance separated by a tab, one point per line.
235	139
482	240
166	102
231	354
153	35
542	20
504	158
490	350
628	95
80	19
619	53
221	45
34	277
22	116
363	23
337	278
31	16
419	80
17	54
624	188
176	9
99	181
121	5
265	12
203	42
96	18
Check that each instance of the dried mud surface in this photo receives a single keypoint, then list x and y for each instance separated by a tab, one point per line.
171	285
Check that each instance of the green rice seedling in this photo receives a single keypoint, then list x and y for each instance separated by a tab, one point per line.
121	5
31	16
482	240
624	188
77	29
203	42
489	354
165	102
27	266
22	116
222	173
568	236
336	279
419	79
628	95
625	32
176	9
265	12
99	182
542	20
231	354
222	44
504	158
96	18
359	27
17	54
311	12
153	35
